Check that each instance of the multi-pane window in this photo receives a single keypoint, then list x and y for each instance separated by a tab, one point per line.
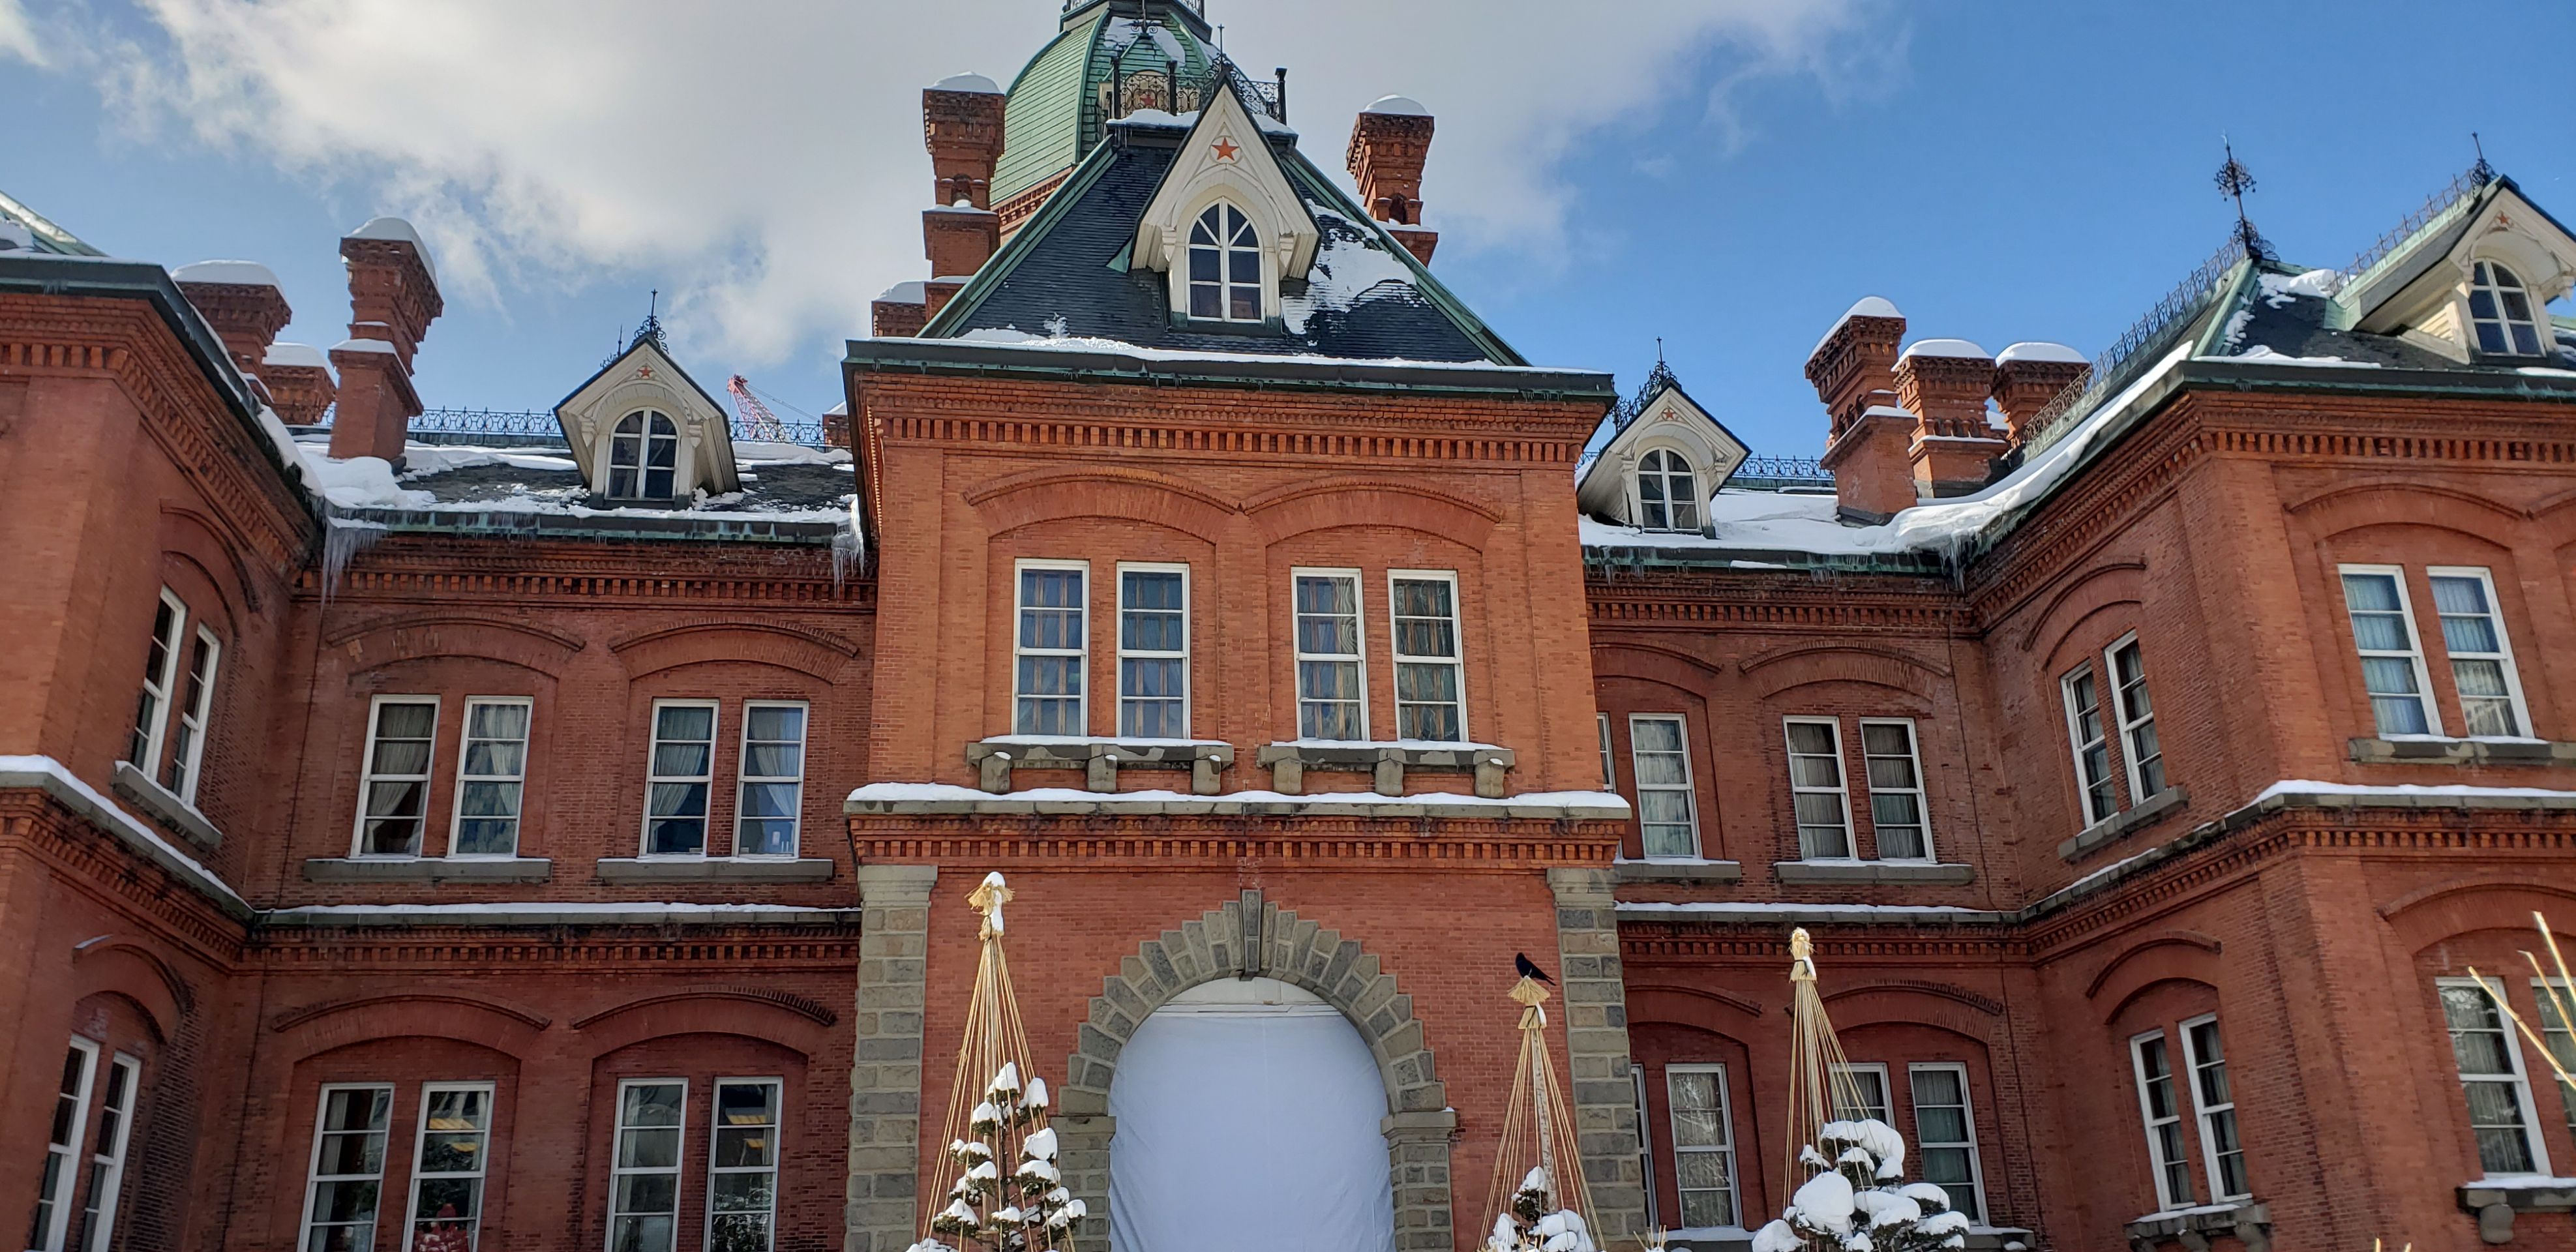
2161	1106
1225	266
448	1165
107	1162
770	800
348	1170
1153	652
62	1148
1703	1144
2215	1106
2392	664
681	771
1609	780
2491	1074
1331	697
2092	744
1667	497
2137	713
196	704
1047	663
393	792
643	457
2554	1028
491	774
1945	1136
742	1173
2481	657
1659	752
1645	1141
1895	771
1430	697
1816	788
2500	312
1865	1082
160	669
644	1181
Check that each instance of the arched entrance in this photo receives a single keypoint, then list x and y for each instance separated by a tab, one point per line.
1248	1115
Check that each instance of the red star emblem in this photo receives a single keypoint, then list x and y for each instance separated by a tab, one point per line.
644	371
1225	149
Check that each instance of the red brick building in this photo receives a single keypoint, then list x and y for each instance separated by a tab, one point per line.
556	835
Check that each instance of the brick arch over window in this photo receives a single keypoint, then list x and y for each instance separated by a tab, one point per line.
2104	585
1325	504
1139	495
1800	664
1249	937
375	644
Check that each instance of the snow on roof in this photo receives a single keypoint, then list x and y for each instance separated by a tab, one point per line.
1397	106
16	236
1346	269
976	83
362	345
1004	337
2040	350
398	229
236	273
914	292
1959	348
295	354
1866	306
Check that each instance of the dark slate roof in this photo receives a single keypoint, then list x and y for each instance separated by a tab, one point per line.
1066	273
2273	313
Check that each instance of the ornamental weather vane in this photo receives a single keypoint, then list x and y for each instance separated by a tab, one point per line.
2234	180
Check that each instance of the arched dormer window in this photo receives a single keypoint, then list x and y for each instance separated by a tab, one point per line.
1225	266
1667	492
643	456
2500	312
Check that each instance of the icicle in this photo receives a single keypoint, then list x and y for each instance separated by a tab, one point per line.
849	549
341	543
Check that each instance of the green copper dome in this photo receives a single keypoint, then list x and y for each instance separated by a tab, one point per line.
1111	58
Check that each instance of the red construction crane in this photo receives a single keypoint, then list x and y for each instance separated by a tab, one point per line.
754	417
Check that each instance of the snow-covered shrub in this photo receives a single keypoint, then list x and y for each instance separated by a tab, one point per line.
1026	1210
1856	1203
1534	1222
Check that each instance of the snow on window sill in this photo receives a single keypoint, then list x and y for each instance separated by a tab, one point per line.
2248	1220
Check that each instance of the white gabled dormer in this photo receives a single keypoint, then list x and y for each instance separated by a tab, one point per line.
1226	226
2475	287
1659	470
646	434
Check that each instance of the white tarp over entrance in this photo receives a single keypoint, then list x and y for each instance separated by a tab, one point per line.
1248	1120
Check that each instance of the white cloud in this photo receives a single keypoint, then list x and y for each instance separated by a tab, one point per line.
765	161
18	34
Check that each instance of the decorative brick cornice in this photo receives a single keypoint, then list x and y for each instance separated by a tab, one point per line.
1762	599
444	950
405	569
1324	842
95	864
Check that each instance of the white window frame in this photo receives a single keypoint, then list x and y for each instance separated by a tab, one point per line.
313	1176
153	723
653	751
678	1168
1886	1091
2117	707
1646	1141
1726	1122
1125	653
1688	787
1609	775
1674	464
2078	744
63	1159
1397	659
2520	1078
1225	249
1081	652
2498	275
193	714
481	1173
715	1129
456	799
2158	1166
2204	1113
107	1164
1967	1120
644	439
1921	790
2502	656
1841	792
2553	1033
744	778
2414	639
368	777
1357	658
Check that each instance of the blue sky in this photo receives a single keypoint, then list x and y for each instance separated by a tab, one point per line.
1726	178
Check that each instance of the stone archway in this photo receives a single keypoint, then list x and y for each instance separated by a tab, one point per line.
1252	938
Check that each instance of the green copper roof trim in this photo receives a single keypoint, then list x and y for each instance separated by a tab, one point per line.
991	273
49	237
1042	116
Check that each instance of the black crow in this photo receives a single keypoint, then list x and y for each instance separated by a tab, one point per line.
1530	969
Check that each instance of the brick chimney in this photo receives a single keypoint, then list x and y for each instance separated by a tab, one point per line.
1852	369
299	381
241	302
900	312
961	124
393	297
1944	383
2028	376
1389	144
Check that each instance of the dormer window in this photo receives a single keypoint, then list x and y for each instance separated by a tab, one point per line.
643	457
1667	492
2500	312
1225	266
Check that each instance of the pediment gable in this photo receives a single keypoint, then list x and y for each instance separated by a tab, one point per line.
1227	156
644	379
2412	292
1666	419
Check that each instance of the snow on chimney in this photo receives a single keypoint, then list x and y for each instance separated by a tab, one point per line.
1944	383
961	124
1853	370
241	302
1389	144
2028	376
300	385
393	297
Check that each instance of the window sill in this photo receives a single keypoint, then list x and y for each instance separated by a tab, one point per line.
2463	752
1098	759
2248	1221
2121	825
1872	872
428	869
166	808
1679	871
1388	761
714	869
2496	1200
